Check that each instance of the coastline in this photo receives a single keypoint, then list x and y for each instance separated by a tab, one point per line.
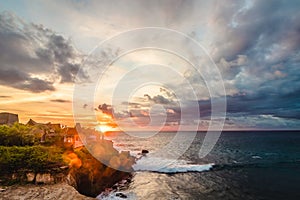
85	174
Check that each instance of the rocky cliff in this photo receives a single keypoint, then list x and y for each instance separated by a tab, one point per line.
90	171
90	176
41	192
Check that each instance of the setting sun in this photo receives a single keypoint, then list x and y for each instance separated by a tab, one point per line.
104	128
137	99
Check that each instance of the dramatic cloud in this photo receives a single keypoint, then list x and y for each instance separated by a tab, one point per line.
33	57
158	99
141	108
106	109
255	45
21	80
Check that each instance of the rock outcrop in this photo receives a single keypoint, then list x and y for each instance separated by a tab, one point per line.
91	173
90	170
41	192
55	175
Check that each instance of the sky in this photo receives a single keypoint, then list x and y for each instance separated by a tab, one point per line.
62	61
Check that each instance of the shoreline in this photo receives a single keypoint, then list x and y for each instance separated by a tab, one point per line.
84	173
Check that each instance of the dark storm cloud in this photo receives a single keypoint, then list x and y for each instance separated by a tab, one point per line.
23	81
64	55
255	26
256	46
33	57
159	99
250	38
286	106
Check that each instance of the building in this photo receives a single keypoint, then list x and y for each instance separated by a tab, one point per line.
8	118
31	122
71	136
48	130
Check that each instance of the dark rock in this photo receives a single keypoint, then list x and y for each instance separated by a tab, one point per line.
121	195
114	187
144	151
91	177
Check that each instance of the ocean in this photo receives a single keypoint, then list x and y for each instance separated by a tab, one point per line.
242	165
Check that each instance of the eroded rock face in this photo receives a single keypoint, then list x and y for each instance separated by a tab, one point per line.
56	175
90	176
85	173
45	178
30	176
38	192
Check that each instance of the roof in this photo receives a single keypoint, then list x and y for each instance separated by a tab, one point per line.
31	122
54	126
72	131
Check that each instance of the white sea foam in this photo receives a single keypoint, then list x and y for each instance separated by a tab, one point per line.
154	164
120	148
256	157
162	165
113	196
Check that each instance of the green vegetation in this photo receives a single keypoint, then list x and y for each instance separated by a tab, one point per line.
21	149
18	135
35	158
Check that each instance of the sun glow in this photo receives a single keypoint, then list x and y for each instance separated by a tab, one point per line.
104	128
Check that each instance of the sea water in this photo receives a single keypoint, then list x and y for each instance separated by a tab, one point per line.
242	165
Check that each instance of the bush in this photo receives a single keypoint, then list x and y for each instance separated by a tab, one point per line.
36	158
17	134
